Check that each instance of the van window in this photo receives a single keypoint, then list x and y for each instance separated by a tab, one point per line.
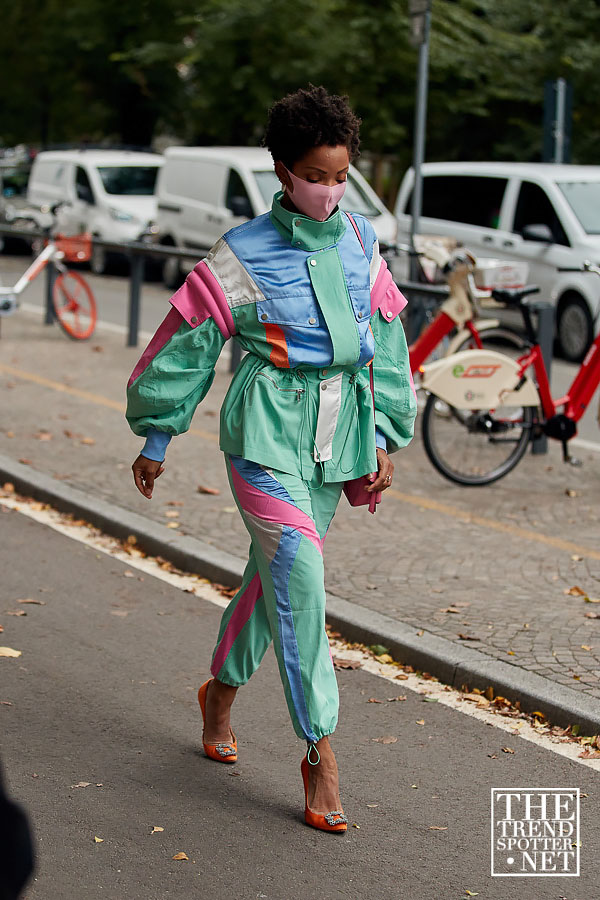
128	180
237	200
471	199
584	199
83	187
534	208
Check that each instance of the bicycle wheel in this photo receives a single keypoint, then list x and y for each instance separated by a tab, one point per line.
74	305
475	447
501	338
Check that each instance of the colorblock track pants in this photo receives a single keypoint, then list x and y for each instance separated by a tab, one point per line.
282	597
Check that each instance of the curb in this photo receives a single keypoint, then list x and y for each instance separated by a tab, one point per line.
452	663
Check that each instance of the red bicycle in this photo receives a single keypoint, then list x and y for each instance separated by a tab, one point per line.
484	407
458	324
72	298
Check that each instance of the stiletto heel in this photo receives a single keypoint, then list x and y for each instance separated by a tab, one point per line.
331	821
223	751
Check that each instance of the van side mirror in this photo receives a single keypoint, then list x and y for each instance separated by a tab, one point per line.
240	206
540	233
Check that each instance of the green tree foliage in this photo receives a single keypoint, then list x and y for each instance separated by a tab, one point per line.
207	71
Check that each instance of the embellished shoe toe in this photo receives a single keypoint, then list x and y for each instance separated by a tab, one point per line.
221	751
331	821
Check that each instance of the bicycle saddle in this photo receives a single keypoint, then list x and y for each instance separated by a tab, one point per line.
513	296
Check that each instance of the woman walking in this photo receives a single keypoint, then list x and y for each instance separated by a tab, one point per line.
306	293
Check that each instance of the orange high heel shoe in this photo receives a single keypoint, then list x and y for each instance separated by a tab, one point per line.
223	751
331	821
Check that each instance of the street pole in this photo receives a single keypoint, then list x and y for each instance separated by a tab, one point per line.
420	13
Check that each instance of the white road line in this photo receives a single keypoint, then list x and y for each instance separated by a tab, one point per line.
202	588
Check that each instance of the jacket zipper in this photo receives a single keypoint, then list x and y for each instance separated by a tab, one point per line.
296	391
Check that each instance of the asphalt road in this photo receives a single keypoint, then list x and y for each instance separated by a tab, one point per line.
104	693
112	296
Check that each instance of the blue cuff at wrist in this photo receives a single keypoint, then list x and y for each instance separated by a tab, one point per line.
156	444
380	440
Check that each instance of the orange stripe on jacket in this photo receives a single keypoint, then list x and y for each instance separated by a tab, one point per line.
279	353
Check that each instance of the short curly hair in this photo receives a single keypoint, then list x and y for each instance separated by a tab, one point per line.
310	118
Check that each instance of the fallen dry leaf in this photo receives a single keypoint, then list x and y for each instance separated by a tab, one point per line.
372	805
574	591
81	784
571	493
507	750
400	697
87	440
156	829
9	487
5	703
43	436
172	513
589	754
25	461
592	599
175	503
438	827
31	600
420	721
128	574
401	677
374	700
592	615
586	647
1	629
180	856
420	633
467	637
98	840
202	489
576	558
16	612
386	739
8	651
450	609
173	524
471	893
346	663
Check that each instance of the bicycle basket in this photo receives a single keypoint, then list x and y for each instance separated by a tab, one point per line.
76	248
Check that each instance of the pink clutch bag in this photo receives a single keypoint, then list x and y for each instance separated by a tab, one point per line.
355	488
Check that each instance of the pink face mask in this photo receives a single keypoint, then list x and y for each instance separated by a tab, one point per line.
315	200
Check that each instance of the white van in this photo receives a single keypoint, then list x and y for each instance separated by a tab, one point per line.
204	191
109	193
543	214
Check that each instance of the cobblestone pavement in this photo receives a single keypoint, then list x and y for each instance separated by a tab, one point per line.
503	556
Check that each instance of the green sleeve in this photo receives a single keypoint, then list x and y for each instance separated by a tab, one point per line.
165	395
395	400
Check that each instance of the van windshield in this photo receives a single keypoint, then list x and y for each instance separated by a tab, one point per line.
138	180
354	198
584	199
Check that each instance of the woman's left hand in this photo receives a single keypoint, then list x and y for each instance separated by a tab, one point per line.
385	472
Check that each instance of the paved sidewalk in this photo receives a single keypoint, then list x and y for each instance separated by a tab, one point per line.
501	557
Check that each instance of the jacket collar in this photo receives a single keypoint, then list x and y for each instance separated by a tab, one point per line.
302	231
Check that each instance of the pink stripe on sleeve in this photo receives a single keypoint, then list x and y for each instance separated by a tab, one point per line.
385	294
242	612
202	297
164	333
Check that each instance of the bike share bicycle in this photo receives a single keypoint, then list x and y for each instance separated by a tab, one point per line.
484	407
72	298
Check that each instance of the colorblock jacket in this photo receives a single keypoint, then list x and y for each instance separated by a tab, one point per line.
313	308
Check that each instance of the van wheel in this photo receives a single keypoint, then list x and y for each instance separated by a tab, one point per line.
172	275
574	328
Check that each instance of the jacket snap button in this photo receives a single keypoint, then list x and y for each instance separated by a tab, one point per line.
264	317
324	372
389	314
323	387
194	319
297	223
313	262
360	315
311	321
298	243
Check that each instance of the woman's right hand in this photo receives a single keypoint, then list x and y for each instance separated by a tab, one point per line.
144	472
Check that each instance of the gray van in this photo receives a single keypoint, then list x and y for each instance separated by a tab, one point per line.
543	214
